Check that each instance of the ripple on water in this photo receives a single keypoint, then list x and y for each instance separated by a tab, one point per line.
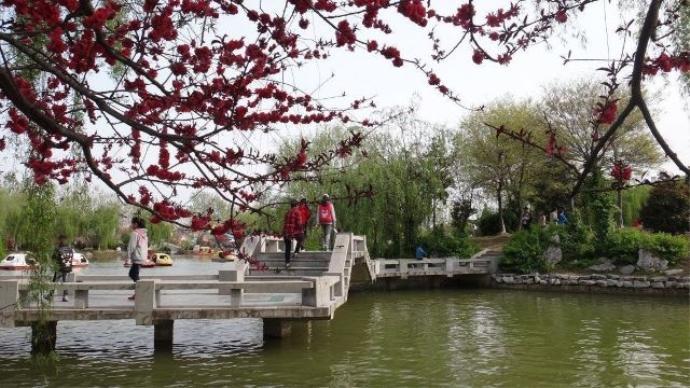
451	338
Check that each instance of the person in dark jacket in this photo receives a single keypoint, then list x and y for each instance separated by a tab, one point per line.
292	229
62	256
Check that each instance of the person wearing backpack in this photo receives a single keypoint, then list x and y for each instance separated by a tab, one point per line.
326	217
137	249
62	256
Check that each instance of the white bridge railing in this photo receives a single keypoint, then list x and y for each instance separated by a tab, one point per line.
317	293
448	266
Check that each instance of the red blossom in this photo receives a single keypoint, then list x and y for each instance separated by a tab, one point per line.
621	172
478	57
561	16
606	113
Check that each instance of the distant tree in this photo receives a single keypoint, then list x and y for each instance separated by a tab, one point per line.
668	208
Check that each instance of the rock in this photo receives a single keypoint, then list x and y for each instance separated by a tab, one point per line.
614	277
587	282
673	272
626	269
543	282
528	281
597	277
498	279
671	283
640	284
613	283
572	282
627	284
604	265
601	283
683	285
553	255
648	262
657	278
508	280
658	285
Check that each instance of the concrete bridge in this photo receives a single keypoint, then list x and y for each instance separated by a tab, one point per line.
314	287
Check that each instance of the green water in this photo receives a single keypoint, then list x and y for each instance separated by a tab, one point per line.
427	338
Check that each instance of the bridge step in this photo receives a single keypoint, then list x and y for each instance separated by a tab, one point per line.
297	261
313	255
293	271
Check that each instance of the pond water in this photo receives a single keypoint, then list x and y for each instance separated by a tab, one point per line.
454	338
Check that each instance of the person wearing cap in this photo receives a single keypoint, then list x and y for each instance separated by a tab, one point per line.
305	217
292	229
326	215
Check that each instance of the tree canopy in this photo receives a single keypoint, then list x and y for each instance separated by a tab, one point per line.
190	78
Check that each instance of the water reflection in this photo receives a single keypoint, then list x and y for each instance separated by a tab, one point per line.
435	338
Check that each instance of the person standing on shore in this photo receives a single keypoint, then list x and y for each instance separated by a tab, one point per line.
326	214
137	249
292	229
305	214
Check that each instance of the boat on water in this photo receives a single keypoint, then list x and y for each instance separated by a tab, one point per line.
79	260
162	259
17	261
224	257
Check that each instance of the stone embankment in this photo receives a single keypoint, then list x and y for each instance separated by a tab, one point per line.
596	283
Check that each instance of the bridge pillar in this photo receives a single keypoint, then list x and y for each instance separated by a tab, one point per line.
43	337
163	335
276	328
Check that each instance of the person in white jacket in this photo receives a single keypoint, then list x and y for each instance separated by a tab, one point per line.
137	249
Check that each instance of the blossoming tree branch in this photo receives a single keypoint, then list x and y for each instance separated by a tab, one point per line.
150	96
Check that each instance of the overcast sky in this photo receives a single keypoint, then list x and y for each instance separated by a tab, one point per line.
360	74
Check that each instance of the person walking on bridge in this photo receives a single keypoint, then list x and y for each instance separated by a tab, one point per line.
137	249
305	214
326	214
292	229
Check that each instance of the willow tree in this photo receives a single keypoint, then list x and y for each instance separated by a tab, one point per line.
193	77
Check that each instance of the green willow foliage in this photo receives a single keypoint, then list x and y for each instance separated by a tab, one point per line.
93	221
408	176
39	222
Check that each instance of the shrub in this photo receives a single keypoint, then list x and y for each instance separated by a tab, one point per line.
525	250
667	246
489	223
438	242
667	209
577	240
622	245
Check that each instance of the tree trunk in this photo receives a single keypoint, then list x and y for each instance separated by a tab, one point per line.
620	208
500	207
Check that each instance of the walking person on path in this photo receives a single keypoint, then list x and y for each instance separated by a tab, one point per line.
305	213
292	229
326	214
62	256
137	249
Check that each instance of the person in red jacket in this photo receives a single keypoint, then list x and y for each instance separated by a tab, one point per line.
292	229
326	214
306	216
